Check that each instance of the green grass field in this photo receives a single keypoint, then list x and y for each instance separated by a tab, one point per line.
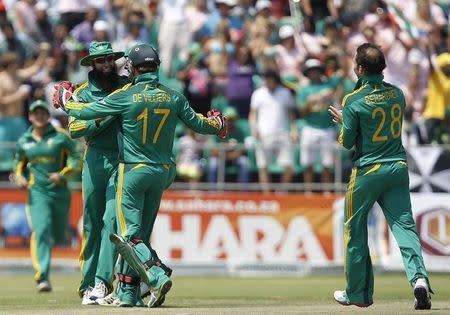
218	295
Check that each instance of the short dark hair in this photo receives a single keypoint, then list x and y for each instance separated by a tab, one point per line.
147	67
272	74
371	58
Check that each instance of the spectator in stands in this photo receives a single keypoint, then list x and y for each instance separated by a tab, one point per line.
60	36
24	17
174	36
288	56
223	12
101	31
318	135
332	41
263	8
319	9
427	16
308	40
71	12
241	70
84	32
197	14
259	37
272	122
13	93
220	48
234	154
134	26
190	165
196	77
12	43
44	31
438	100
396	43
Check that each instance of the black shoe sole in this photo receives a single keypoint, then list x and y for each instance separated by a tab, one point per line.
423	301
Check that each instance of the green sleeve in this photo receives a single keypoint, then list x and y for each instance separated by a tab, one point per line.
20	161
81	128
74	161
195	121
113	104
347	136
87	128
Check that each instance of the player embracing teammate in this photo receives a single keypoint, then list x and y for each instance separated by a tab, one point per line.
148	113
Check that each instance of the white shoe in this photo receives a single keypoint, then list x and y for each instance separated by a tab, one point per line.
99	291
422	298
109	300
44	286
342	298
154	302
87	297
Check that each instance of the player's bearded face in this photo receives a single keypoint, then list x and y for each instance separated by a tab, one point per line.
106	76
105	64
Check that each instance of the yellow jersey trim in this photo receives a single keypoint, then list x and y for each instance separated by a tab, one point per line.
124	88
81	87
122	222
344	100
349	213
373	169
138	166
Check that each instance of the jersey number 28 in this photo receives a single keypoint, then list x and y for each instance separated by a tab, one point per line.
395	126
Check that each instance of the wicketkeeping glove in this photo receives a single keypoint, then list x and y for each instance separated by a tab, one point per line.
63	93
221	120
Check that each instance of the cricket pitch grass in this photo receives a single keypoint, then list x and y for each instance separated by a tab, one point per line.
220	295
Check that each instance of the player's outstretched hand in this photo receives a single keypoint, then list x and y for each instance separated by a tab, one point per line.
221	120
63	92
336	113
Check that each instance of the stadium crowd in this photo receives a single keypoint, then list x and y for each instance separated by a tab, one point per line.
272	71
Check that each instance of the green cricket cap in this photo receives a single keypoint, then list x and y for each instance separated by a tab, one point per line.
97	49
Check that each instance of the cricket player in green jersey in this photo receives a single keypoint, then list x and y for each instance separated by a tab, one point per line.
45	159
148	112
98	255
371	120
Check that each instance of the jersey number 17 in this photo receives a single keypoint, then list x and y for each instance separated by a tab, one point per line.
144	117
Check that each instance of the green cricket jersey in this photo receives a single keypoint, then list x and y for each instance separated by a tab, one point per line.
148	112
372	121
319	117
56	152
104	134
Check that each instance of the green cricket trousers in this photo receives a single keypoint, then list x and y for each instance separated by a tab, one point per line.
388	184
98	254
139	191
48	214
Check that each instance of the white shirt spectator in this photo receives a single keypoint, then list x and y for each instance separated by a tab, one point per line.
173	11
65	6
272	110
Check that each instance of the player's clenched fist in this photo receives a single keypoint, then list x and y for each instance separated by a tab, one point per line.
221	120
63	92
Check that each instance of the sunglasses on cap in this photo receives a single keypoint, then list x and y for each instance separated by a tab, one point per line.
103	59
